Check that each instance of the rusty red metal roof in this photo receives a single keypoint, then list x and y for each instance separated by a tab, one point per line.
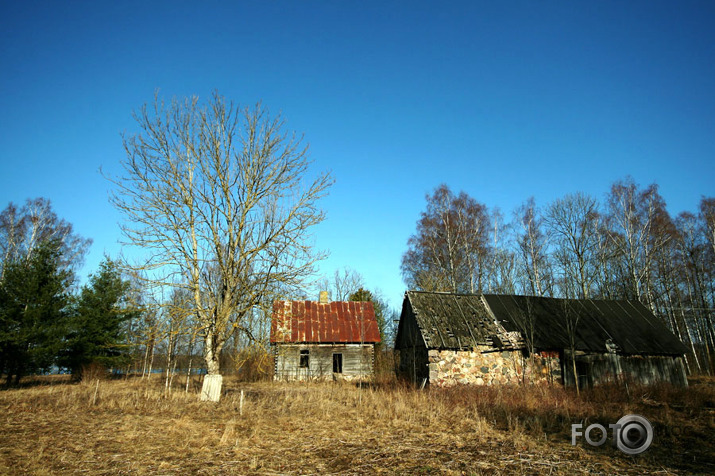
315	322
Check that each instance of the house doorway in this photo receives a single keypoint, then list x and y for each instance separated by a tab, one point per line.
337	363
583	371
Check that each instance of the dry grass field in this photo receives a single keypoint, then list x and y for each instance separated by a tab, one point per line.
133	427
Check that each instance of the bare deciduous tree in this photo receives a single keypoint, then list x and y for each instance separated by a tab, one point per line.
501	270
450	250
573	221
22	230
218	198
635	215
692	248
707	215
571	317
533	249
525	320
178	312
343	283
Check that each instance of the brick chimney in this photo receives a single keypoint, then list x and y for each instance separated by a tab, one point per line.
324	297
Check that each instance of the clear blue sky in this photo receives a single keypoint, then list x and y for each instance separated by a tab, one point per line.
503	100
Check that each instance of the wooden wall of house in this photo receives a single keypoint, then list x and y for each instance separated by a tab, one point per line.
597	369
357	360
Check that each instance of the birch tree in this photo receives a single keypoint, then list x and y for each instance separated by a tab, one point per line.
501	269
692	248
24	229
635	215
532	249
219	198
707	215
450	250
573	223
571	315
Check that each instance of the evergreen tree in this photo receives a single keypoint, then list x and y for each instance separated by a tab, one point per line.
33	311
97	325
380	307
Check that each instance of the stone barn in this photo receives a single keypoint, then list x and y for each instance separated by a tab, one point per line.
324	340
446	339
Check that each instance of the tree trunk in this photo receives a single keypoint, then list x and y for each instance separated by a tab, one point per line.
145	360
575	372
169	362
211	389
191	360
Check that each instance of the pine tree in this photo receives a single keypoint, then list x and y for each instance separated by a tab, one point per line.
96	330
379	306
33	311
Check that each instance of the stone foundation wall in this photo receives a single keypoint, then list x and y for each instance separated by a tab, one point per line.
486	367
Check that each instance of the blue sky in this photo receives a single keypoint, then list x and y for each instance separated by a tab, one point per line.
503	100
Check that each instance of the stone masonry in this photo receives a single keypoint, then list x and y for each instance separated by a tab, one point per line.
483	366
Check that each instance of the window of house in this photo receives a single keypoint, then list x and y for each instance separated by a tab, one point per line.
304	359
337	363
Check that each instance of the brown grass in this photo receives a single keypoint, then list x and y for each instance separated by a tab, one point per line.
133	427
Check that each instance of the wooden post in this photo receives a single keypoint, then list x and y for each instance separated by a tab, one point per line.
96	389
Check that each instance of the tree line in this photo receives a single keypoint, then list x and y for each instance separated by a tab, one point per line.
626	246
46	321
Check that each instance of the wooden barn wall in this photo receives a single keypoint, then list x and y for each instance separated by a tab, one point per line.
414	363
654	369
358	361
596	369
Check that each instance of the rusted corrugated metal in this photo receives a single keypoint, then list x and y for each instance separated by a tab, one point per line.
314	322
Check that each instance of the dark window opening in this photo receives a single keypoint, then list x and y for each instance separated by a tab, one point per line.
337	363
304	359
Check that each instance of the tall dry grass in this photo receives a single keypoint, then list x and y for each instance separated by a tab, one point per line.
135	426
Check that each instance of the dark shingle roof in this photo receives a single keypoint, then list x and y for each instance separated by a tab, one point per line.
459	321
455	321
315	322
628	325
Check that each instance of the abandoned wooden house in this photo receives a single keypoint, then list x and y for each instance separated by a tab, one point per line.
447	339
324	340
